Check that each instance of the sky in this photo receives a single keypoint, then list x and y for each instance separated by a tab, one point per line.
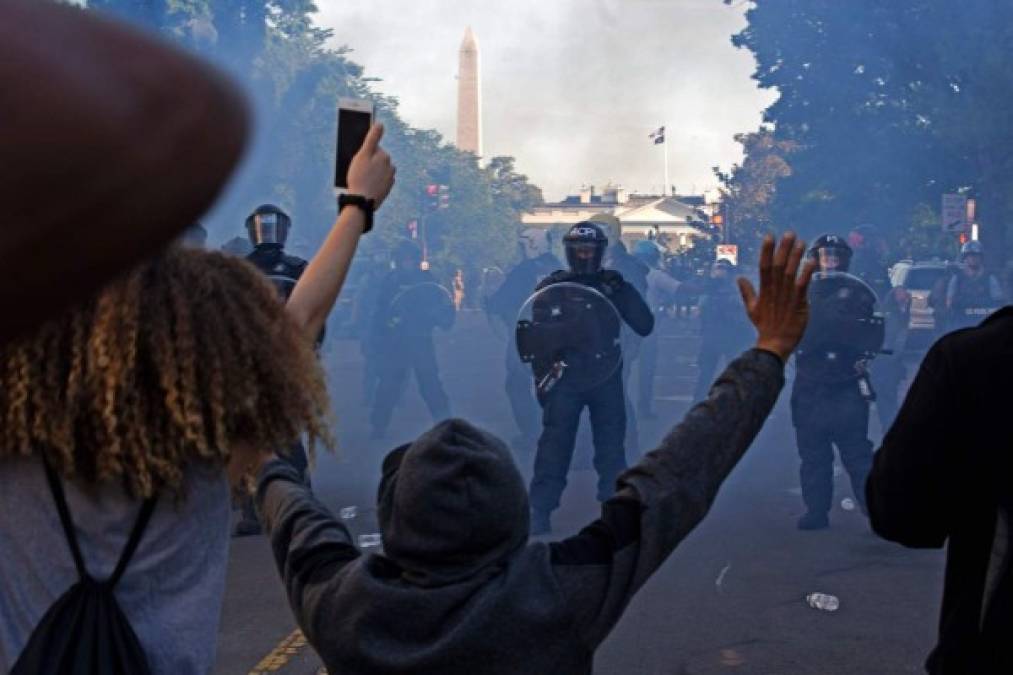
571	88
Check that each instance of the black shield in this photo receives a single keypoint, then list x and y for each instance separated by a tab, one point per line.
573	329
843	318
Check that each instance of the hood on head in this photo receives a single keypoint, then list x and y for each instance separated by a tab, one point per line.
451	503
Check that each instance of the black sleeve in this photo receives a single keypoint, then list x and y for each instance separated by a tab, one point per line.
633	308
910	491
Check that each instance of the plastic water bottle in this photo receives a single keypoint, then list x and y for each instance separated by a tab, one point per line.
823	602
349	512
848	504
370	540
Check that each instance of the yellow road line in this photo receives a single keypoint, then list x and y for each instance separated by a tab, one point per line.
281	655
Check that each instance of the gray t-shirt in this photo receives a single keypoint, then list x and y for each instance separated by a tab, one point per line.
173	588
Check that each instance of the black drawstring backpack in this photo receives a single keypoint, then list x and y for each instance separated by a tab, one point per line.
85	632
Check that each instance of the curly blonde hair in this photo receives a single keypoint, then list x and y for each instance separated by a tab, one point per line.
188	353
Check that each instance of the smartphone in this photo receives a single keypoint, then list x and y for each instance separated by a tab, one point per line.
355	116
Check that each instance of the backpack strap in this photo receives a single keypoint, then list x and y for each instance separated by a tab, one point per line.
56	488
135	538
140	525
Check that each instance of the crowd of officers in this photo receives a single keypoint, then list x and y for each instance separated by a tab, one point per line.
574	360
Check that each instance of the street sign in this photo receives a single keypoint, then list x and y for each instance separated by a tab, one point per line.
955	213
729	252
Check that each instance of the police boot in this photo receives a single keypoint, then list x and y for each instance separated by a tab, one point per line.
812	520
540	523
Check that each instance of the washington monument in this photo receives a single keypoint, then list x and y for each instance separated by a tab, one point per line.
469	96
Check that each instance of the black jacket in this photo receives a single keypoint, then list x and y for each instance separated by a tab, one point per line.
518	286
944	476
409	305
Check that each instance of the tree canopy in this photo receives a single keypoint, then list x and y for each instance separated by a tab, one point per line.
887	105
295	79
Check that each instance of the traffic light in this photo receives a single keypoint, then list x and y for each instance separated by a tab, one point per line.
433	196
444	193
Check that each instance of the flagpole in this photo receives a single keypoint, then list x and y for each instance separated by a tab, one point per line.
664	143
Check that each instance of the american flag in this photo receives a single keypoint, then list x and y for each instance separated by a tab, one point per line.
658	135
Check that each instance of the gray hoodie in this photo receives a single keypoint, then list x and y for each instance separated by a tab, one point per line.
458	588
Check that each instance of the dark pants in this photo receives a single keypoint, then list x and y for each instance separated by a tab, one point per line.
826	415
521	394
394	364
646	368
561	410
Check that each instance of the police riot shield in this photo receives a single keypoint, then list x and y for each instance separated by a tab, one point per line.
570	334
843	318
421	307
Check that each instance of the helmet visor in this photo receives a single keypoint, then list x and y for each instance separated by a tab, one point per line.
268	228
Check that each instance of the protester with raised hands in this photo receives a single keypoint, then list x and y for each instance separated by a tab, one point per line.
458	587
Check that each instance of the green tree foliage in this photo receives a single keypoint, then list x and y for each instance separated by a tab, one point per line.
749	188
890	105
295	80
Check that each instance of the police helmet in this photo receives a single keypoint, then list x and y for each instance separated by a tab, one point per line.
971	248
831	252
585	247
407	255
268	224
648	252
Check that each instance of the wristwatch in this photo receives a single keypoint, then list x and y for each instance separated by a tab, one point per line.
367	206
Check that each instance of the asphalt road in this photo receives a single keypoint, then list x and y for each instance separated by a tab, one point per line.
730	599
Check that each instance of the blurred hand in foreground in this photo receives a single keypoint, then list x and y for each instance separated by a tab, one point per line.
371	173
781	310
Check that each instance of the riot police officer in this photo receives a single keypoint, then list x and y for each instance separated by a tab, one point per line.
537	262
409	305
563	403
661	293
268	229
724	329
635	272
831	395
972	293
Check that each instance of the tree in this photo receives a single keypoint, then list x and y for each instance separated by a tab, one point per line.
295	80
889	108
748	190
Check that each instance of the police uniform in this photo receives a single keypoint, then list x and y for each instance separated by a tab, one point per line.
724	329
268	228
828	405
634	271
402	337
506	303
563	404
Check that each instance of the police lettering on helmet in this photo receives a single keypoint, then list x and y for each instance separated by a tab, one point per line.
268	225
585	245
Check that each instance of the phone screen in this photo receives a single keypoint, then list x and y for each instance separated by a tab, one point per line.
353	125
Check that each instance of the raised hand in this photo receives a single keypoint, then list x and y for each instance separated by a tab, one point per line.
781	310
371	173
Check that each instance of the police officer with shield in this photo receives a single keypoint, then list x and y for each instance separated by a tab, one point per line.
831	395
537	263
570	334
268	228
410	304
